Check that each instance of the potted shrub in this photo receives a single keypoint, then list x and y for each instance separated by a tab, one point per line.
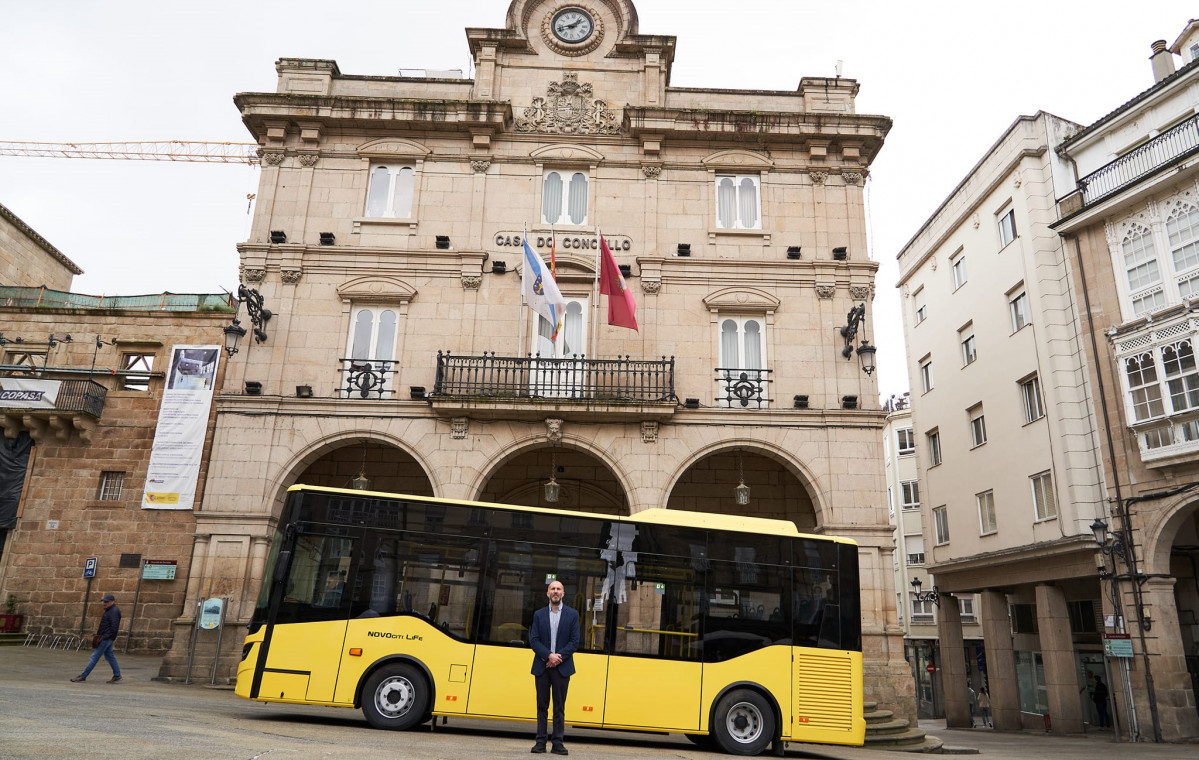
10	621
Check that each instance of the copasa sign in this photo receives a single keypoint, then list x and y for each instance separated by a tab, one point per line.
21	393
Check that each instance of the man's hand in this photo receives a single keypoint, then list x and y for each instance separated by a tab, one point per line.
555	660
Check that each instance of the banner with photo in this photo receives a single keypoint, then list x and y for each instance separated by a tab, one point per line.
182	424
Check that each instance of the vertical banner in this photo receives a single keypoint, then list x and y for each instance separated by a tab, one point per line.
182	424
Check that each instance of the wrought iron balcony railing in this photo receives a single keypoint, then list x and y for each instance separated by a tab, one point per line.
575	378
74	396
742	387
1169	147
364	378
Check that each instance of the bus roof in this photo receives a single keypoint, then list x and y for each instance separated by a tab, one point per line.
655	516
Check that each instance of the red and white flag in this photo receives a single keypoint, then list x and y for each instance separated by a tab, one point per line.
622	310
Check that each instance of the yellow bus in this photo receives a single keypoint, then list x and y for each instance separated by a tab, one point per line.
740	633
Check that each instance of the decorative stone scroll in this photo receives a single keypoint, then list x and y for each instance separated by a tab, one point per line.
651	172
651	287
271	157
568	109
553	429
480	165
253	274
825	291
860	292
649	431
458	427
471	281
291	276
817	177
852	178
308	159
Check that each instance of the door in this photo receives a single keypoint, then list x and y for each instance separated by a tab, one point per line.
558	364
370	364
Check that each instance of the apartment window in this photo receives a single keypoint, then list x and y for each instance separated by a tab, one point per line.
1043	499
969	348
1019	306
1030	392
110	486
391	190
966	607
941	525
138	367
737	202
1084	617
564	198
1141	269
978	426
1023	617
934	447
922	612
1182	233
907	442
1182	379
1007	228
914	546
986	512
958	266
921	306
926	375
1146	394
911	494
371	357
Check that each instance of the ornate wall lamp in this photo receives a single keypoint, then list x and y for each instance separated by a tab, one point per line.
1115	546
552	489
865	352
741	492
933	596
258	318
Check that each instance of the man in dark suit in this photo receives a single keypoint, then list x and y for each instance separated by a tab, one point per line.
554	637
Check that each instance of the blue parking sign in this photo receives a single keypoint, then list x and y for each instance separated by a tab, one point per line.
89	568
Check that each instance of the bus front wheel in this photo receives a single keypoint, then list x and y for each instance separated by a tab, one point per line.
395	697
743	723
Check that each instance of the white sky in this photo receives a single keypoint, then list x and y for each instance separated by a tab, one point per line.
952	75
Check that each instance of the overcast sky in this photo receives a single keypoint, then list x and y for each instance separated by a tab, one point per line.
952	75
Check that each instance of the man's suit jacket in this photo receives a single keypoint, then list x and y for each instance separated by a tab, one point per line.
568	640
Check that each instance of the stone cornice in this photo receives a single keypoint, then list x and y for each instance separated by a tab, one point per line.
40	241
457	115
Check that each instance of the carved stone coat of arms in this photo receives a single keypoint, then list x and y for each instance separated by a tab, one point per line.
568	109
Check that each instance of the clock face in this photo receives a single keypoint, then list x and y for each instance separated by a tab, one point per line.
572	25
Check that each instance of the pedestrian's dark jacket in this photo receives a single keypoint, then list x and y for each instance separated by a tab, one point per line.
110	623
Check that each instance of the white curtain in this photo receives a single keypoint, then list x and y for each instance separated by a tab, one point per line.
578	198
726	203
551	198
401	203
748	202
572	339
376	198
386	340
730	357
545	337
753	345
363	327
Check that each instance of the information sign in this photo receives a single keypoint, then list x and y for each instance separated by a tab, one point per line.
1117	644
210	613
159	570
89	567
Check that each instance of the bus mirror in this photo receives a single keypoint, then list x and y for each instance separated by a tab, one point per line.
281	566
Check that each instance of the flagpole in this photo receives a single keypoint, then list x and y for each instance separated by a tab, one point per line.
520	303
595	309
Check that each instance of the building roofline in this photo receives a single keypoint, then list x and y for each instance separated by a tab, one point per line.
42	243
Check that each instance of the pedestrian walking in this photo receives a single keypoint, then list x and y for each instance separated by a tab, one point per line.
1099	697
984	706
106	636
971	698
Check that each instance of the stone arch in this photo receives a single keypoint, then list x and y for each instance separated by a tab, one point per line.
304	458
1162	528
538	442
766	449
391	147
737	159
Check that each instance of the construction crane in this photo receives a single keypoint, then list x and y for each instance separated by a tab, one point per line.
157	150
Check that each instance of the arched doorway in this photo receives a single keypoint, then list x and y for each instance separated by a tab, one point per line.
586	484
709	485
384	467
1184	567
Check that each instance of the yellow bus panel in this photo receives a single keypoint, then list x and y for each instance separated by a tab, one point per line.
828	697
304	648
769	667
644	692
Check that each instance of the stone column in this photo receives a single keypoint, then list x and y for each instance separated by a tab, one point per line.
953	664
1001	662
1057	654
1172	684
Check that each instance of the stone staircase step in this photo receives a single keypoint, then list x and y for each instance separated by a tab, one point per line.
877	716
887	728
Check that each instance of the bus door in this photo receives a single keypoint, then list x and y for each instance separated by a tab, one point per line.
654	671
299	665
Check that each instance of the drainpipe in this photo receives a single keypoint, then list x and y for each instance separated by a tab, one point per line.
1125	525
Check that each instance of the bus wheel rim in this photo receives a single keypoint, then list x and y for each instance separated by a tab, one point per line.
394	697
744	722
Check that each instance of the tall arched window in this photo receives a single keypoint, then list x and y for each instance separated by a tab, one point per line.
564	198
1142	270
391	190
737	202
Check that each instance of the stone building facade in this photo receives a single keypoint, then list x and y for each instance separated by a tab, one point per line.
387	242
28	259
86	458
1130	224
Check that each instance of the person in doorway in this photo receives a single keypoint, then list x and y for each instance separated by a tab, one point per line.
554	637
1099	697
984	706
106	636
970	697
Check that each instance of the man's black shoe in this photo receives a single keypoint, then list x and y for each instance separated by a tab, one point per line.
559	750
538	749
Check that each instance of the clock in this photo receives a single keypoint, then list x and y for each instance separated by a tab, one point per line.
572	30
572	25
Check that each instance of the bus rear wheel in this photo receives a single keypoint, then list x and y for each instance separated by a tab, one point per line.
395	697
743	723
